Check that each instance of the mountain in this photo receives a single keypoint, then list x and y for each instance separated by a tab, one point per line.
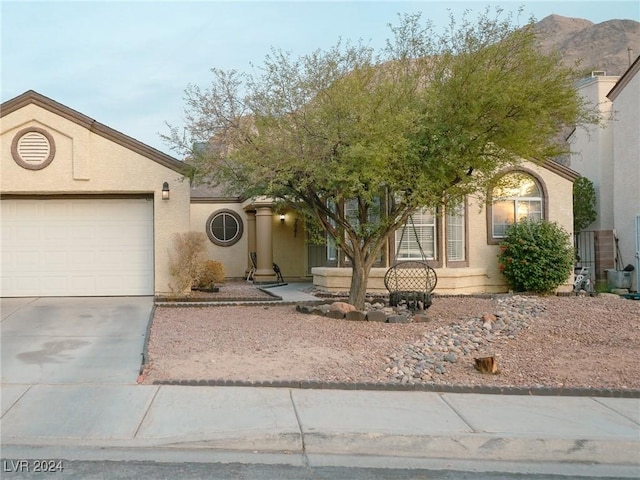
602	46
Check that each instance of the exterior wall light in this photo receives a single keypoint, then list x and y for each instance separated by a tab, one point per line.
165	191
282	217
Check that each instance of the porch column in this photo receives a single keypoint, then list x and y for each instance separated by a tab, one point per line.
251	238
264	246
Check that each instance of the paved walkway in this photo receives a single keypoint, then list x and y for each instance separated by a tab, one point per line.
292	292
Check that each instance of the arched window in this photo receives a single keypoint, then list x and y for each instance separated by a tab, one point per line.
224	227
517	196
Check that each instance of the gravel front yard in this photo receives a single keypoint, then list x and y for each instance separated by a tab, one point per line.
538	341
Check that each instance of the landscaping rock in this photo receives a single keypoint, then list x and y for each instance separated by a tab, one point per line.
342	306
305	308
398	319
488	317
420	318
356	315
426	359
337	314
321	310
450	357
376	316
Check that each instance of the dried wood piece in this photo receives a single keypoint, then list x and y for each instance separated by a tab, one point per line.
487	365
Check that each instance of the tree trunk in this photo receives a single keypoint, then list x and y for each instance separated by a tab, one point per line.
358	291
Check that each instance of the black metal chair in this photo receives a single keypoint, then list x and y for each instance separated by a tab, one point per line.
254	265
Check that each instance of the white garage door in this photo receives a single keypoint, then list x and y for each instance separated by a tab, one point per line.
76	247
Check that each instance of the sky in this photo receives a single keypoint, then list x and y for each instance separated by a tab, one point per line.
126	64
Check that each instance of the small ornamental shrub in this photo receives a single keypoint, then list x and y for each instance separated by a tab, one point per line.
212	273
536	256
186	262
584	204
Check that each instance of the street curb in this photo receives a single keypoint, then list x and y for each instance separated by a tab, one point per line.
145	346
398	387
477	446
470	446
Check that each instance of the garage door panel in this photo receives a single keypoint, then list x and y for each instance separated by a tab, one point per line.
54	210
77	247
54	234
83	260
26	236
81	233
24	210
113	283
57	259
54	284
28	261
83	284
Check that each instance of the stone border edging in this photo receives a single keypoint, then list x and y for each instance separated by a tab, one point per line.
398	387
165	301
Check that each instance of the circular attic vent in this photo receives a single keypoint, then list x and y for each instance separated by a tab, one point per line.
33	148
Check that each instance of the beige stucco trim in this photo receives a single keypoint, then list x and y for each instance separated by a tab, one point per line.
17	157
33	98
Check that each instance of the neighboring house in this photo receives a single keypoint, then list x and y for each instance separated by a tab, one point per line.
83	214
610	158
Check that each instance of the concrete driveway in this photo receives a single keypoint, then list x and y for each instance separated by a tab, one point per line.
73	340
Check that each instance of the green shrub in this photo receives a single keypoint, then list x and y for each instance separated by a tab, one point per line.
584	204
212	273
536	256
186	262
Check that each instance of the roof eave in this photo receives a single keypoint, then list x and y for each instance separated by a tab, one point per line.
32	97
559	169
624	79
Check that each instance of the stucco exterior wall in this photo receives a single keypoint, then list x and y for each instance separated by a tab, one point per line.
483	256
626	171
592	148
482	274
234	257
289	245
87	163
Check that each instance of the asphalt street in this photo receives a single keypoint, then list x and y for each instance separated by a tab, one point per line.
133	470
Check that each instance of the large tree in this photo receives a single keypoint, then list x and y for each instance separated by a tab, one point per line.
427	119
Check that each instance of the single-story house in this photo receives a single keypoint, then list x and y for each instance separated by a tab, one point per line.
89	211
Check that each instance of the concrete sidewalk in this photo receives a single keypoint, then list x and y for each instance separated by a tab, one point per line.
424	425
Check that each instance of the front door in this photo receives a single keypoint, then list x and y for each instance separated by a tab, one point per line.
316	256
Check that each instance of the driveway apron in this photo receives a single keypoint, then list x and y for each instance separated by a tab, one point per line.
73	340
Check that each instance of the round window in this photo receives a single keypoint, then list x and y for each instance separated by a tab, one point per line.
224	227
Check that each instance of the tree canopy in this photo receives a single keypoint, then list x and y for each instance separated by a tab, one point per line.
427	119
584	204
